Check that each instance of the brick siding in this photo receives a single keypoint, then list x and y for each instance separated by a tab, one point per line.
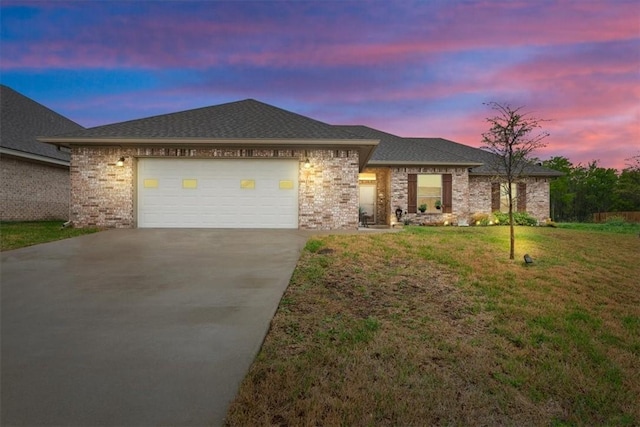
329	191
104	194
537	196
31	191
460	194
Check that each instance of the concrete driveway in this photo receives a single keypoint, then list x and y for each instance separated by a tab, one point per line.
137	327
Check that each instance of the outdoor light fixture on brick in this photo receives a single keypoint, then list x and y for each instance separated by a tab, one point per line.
120	162
307	164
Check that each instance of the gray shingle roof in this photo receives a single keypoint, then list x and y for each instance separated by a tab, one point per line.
490	162
247	119
393	148
22	120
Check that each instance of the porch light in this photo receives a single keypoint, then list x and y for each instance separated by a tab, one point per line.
120	162
307	164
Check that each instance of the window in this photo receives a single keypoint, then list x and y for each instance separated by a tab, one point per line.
429	189
500	198
504	197
430	192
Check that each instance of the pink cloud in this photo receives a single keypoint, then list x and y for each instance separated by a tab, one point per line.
302	37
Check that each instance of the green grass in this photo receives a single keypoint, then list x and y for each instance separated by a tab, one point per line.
612	227
435	325
14	235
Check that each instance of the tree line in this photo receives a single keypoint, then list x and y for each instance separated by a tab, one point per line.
585	190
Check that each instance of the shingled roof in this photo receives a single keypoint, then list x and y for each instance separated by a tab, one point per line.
394	149
22	120
247	119
397	150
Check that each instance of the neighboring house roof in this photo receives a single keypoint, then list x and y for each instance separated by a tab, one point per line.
249	123
22	120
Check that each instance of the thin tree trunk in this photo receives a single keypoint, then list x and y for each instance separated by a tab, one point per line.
512	236
513	240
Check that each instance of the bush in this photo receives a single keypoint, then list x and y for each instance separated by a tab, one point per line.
480	218
501	218
519	218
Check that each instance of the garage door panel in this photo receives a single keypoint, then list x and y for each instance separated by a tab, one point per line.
218	200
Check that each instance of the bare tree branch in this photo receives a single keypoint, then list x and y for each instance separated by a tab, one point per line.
512	137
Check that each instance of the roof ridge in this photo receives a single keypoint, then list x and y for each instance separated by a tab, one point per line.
174	113
372	129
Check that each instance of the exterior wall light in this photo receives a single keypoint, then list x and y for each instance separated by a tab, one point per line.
307	164
120	162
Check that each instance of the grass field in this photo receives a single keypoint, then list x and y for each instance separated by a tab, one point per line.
435	326
14	235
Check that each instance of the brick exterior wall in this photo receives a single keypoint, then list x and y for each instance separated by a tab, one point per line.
104	195
31	191
538	204
460	194
329	191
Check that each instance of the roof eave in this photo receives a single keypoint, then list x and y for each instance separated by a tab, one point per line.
552	174
365	147
88	141
33	157
421	163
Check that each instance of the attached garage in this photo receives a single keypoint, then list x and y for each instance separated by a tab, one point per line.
243	164
217	193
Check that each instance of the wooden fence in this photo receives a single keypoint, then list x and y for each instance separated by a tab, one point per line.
628	216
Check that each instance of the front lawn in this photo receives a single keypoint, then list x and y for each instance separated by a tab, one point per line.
14	235
435	326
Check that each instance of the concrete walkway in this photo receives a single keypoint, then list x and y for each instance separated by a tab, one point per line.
137	327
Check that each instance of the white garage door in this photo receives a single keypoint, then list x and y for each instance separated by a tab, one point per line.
198	193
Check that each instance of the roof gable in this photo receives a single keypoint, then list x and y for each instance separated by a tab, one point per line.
247	119
394	149
22	120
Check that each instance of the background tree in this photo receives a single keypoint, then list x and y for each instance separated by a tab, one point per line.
561	189
628	187
512	137
585	190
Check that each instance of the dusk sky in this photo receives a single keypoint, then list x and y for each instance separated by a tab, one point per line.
412	68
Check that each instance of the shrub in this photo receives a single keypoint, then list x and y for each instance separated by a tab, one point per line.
519	218
480	218
501	218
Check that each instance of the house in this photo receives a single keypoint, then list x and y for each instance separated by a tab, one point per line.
453	180
247	164
34	177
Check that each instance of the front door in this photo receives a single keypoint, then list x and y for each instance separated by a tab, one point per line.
368	200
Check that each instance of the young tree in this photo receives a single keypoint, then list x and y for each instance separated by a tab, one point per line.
512	137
